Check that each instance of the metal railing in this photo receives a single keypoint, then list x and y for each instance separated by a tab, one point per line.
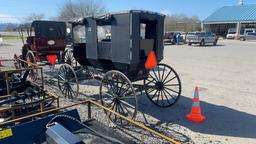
89	104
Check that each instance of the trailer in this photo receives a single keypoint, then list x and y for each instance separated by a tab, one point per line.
20	96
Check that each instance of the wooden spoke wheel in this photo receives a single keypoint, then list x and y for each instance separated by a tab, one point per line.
68	82
33	74
117	93
163	86
69	58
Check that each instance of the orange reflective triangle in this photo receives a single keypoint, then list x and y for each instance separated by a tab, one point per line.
52	59
151	60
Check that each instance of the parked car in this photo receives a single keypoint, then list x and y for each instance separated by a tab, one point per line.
249	36
184	37
231	35
201	38
168	37
246	31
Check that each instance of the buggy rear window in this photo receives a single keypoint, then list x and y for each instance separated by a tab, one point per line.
49	29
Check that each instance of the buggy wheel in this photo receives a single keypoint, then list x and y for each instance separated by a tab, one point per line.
163	86
17	62
30	57
117	93
69	57
68	82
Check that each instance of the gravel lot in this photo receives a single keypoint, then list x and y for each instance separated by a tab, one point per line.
226	76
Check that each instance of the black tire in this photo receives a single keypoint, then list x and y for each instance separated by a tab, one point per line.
117	93
189	44
69	57
202	43
215	43
166	91
33	73
68	81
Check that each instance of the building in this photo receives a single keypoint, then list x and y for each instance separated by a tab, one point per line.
239	17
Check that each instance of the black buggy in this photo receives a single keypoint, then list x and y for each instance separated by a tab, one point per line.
45	44
114	48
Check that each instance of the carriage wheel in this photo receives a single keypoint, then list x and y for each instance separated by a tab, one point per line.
69	58
163	86
30	57
117	93
68	82
17	63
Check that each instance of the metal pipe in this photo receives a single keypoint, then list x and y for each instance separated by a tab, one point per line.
139	124
89	110
136	123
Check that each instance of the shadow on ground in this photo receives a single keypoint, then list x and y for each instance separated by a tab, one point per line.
220	120
208	46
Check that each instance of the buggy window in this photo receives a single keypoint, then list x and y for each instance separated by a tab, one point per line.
32	31
104	33
142	30
49	29
79	34
147	37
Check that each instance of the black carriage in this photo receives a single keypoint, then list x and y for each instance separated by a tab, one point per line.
115	47
45	42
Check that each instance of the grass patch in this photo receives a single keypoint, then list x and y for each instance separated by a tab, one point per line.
10	37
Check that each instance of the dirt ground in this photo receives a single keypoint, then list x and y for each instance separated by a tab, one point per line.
226	76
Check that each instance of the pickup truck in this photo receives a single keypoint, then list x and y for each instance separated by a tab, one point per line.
201	38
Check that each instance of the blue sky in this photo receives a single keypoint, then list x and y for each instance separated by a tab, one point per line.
13	10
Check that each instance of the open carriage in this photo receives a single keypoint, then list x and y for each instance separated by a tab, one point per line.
114	48
18	94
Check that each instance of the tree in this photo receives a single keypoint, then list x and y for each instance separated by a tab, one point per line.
71	10
184	23
32	17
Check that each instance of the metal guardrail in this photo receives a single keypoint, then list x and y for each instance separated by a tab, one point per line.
89	104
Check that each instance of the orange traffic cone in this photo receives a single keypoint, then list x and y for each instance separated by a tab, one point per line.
151	61
195	114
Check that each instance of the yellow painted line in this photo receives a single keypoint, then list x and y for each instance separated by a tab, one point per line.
139	124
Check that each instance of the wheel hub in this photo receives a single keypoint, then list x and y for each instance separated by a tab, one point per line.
159	85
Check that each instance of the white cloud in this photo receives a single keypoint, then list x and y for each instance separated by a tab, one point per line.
166	12
4	18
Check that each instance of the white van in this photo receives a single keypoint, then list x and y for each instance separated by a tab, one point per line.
231	33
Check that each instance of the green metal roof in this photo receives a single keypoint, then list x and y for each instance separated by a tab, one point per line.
228	14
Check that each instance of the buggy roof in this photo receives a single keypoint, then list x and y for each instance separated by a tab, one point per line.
146	14
49	29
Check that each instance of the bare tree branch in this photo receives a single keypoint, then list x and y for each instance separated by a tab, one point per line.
71	10
32	18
